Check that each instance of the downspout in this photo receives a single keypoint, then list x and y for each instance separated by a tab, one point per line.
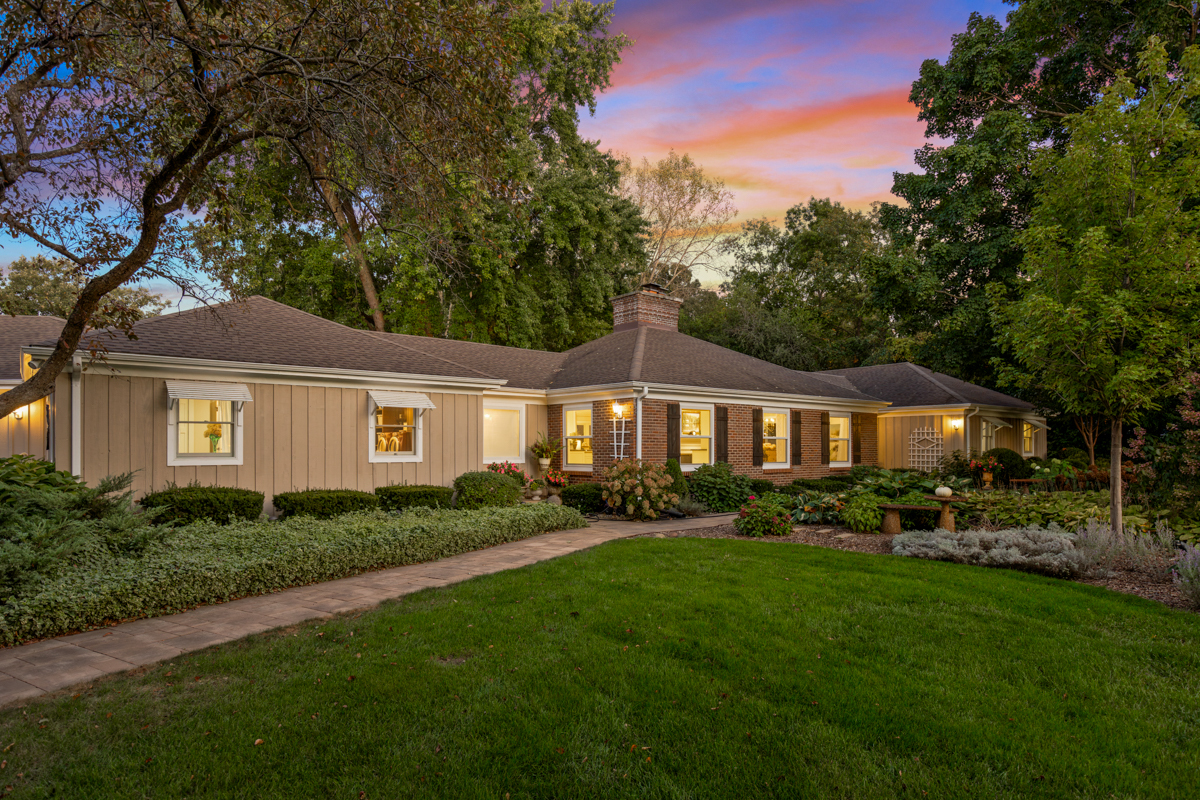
637	403
76	415
967	432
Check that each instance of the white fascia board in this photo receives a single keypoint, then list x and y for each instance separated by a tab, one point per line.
1005	411
205	369
659	391
530	396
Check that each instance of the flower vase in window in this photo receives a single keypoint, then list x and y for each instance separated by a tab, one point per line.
213	433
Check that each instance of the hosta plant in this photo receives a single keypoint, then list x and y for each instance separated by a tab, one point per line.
639	489
763	517
862	513
817	508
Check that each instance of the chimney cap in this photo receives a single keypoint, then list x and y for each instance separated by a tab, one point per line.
652	287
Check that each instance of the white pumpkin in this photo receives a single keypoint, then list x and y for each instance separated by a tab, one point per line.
943	491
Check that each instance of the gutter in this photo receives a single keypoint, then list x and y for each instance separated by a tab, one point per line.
967	431
77	415
637	403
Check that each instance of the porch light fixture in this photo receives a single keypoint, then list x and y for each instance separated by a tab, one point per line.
618	410
956	424
19	413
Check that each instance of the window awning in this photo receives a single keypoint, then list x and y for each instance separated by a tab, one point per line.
198	390
999	423
400	399
1036	424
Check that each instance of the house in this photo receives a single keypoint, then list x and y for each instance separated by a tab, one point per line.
29	429
263	396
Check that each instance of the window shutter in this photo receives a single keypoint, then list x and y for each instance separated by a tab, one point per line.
796	449
673	431
756	432
825	438
722	433
855	441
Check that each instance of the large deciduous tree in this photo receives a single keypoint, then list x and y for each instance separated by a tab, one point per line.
120	116
687	212
795	295
44	286
1005	90
1107	320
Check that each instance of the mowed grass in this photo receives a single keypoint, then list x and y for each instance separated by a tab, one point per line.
659	668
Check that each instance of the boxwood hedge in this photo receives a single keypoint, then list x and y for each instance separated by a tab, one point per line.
398	498
208	563
187	504
323	503
485	490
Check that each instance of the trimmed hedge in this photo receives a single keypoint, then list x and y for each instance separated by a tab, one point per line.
486	490
210	563
719	487
186	504
585	497
831	485
323	503
1012	463
398	498
761	486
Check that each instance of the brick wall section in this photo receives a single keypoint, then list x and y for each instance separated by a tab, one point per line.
741	441
645	308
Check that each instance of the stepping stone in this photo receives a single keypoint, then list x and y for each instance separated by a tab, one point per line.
844	536
824	530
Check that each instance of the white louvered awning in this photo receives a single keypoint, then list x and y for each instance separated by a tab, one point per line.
200	390
999	423
1036	424
387	399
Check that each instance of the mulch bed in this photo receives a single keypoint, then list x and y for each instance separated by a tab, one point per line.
1127	579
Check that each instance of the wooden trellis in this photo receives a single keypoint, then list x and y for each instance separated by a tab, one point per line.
925	447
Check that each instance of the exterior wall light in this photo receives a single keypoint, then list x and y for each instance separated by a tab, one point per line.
956	424
19	413
618	410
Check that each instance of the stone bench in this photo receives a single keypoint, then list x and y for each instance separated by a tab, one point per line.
891	514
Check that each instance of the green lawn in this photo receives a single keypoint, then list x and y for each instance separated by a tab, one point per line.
660	668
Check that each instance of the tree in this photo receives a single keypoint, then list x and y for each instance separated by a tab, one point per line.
120	116
1005	91
49	286
796	296
1108	318
536	270
686	210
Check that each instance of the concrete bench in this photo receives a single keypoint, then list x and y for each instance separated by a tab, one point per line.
891	514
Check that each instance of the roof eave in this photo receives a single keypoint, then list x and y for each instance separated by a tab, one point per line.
723	395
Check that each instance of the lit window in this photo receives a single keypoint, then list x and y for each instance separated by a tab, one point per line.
1027	436
502	435
394	431
775	438
204	428
695	436
577	429
839	440
987	435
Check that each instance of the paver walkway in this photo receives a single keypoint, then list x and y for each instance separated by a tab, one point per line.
34	669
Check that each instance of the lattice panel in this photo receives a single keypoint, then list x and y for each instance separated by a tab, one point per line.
924	449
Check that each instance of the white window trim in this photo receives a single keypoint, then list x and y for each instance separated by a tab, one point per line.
234	459
984	437
416	457
787	438
849	437
507	405
578	467
712	433
1032	438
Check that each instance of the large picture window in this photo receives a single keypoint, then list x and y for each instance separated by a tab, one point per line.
839	441
205	423
503	433
695	436
775	439
577	438
394	425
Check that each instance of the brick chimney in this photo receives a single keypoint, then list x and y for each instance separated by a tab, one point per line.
649	307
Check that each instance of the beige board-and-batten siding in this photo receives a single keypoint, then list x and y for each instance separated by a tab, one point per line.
537	420
895	432
27	434
295	438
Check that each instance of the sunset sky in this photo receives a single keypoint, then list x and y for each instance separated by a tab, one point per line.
783	99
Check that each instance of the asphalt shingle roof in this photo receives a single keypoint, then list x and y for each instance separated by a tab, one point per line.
524	369
17	332
908	384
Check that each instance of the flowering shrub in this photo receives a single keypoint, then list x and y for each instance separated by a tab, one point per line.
763	517
511	470
555	477
985	464
638	488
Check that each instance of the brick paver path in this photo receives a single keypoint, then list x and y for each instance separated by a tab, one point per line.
34	669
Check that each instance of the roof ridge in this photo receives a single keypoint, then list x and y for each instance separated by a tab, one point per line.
374	337
929	377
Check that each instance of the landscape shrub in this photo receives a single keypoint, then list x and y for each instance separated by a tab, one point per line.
514	471
917	520
816	508
1012	463
763	517
323	503
1076	456
185	504
1069	510
486	490
210	563
23	471
861	513
639	489
1186	574
839	484
956	464
588	498
719	487
1049	551
761	486
691	507
399	498
1144	550
679	483
857	473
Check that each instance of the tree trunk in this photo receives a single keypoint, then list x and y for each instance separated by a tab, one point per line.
1115	516
1089	429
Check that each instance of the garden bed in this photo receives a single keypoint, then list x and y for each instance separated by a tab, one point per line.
1125	578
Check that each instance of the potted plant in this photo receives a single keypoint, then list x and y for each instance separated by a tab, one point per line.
988	466
555	480
545	449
